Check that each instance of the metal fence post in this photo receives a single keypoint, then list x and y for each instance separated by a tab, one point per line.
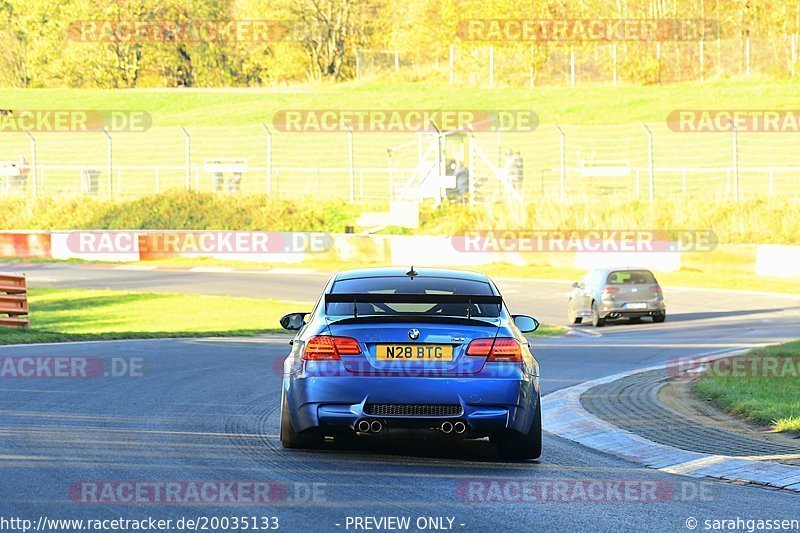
747	56
650	168
352	164
33	163
614	53
109	155
572	68
563	162
188	159
269	158
735	162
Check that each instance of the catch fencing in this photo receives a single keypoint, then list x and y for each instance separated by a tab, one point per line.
560	162
469	64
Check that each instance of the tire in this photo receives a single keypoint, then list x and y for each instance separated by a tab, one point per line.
291	438
660	317
597	321
521	446
572	316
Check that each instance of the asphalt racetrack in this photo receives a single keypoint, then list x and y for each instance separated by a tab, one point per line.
200	410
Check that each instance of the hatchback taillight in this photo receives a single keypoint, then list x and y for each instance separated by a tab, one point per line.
327	348
501	349
610	290
655	288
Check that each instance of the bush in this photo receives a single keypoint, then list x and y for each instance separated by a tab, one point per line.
754	221
178	210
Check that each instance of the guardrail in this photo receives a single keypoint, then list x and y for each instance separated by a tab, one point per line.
13	301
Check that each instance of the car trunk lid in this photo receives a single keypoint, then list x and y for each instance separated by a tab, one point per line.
417	347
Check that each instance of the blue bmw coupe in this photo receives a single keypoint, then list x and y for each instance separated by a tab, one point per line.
388	351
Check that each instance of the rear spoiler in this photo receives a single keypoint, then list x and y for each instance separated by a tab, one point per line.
466	299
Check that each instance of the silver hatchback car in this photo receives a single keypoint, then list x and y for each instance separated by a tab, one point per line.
612	293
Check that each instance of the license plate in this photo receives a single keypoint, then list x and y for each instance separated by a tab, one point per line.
636	305
414	352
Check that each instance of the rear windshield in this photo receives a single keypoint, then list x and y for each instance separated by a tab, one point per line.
407	285
631	277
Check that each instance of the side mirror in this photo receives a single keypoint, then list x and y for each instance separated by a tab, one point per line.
293	321
575	285
526	323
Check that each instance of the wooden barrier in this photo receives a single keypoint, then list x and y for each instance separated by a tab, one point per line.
13	301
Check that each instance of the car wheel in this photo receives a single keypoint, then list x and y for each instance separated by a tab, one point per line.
572	316
291	438
515	445
597	321
660	317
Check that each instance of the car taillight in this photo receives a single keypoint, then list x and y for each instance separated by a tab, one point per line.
327	348
655	288
610	290
481	347
501	349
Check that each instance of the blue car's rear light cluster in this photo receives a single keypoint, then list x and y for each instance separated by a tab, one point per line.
390	409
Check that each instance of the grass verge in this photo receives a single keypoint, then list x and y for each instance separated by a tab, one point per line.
588	104
768	400
61	315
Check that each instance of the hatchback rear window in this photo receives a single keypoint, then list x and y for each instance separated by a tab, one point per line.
631	277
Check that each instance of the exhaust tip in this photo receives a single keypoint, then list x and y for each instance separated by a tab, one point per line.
447	427
460	427
363	426
376	426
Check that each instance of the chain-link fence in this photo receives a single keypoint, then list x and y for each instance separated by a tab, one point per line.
548	63
559	162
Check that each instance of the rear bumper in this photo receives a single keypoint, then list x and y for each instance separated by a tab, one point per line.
619	311
488	403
